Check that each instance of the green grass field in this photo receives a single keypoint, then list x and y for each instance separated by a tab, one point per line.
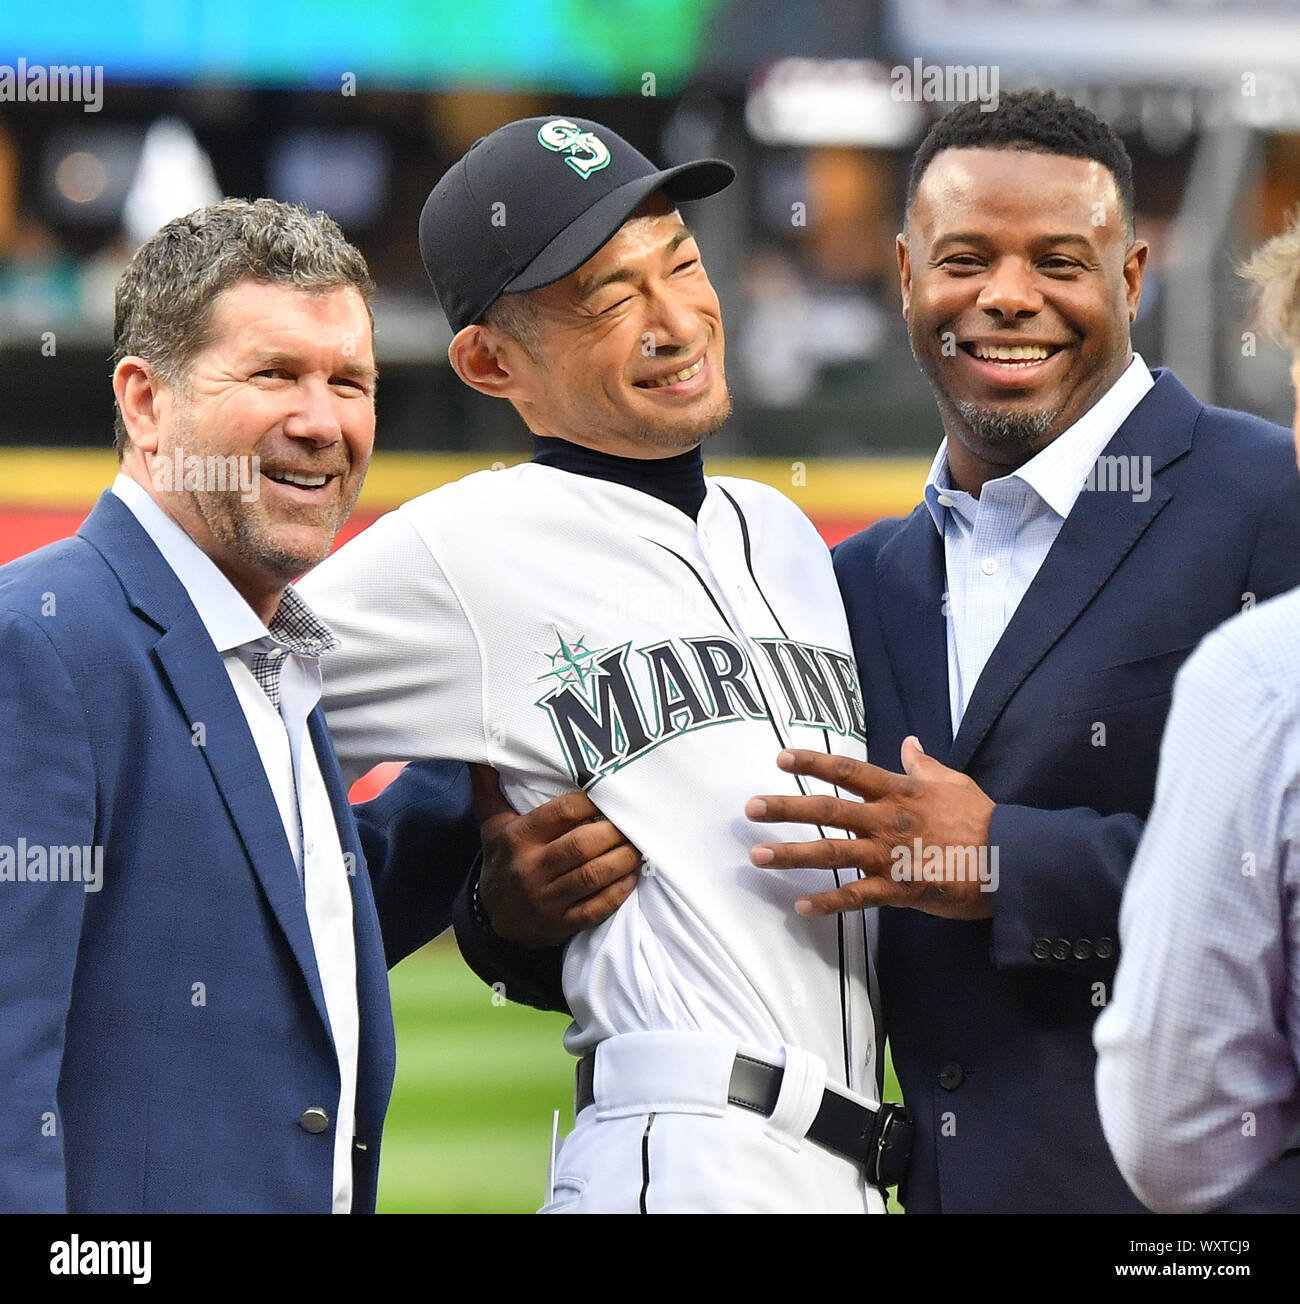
469	1128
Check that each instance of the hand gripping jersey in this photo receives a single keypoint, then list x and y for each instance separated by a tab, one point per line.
578	633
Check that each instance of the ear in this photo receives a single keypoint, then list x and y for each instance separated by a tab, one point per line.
489	361
141	394
904	270
1135	262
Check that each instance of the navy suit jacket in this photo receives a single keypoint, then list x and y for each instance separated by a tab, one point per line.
162	1036
991	1021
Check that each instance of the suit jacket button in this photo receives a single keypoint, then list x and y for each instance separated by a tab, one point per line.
314	1120
1042	948
951	1076
1083	948
1060	949
1105	948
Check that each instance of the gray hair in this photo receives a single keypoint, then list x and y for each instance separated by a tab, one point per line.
1275	272
518	316
162	309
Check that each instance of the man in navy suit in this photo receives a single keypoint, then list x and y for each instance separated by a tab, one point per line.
194	1010
196	1024
1085	524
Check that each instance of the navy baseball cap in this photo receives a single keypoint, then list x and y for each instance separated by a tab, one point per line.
533	201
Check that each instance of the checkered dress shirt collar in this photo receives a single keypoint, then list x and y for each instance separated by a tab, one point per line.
295	628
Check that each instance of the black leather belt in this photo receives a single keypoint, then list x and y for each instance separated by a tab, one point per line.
878	1139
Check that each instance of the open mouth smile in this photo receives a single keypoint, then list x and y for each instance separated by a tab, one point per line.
674	378
299	478
310	485
999	361
683	380
1015	355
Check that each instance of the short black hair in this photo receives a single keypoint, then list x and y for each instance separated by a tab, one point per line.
1040	122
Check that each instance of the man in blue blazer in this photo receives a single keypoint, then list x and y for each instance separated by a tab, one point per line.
192	979
193	1021
1085	524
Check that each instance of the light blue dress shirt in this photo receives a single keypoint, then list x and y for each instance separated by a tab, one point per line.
1198	1071
995	544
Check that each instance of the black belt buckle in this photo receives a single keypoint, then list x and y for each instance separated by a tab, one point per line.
889	1146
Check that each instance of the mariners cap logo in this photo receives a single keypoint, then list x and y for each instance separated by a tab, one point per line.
586	152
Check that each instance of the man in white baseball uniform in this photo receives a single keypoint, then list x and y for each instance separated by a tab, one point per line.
606	617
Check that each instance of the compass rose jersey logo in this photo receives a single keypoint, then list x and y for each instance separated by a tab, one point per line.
571	664
585	152
610	706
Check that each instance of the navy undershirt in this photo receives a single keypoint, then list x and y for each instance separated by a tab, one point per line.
677	481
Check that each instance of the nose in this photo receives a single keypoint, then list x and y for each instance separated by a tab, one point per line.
1009	291
673	320
312	416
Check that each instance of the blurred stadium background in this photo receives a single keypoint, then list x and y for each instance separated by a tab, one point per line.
358	109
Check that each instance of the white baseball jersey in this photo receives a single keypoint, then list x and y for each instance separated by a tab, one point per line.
577	633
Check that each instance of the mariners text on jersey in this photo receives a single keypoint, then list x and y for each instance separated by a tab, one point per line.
603	724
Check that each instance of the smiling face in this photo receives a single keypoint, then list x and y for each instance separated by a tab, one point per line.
1019	285
629	348
287	377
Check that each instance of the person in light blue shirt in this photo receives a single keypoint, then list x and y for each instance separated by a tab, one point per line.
1198	1071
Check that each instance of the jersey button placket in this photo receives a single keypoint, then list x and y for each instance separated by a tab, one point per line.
735	590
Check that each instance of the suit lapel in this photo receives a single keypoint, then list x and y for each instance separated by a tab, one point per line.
197	677
910	581
333	779
1099	533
